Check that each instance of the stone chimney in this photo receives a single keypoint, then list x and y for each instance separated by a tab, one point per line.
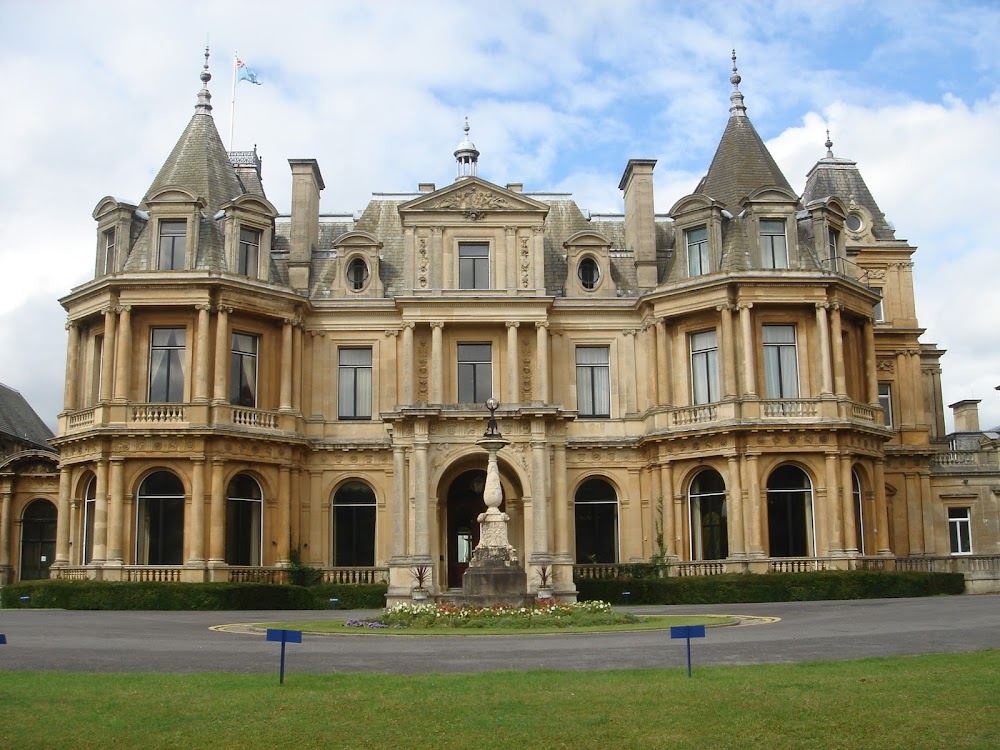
640	228
966	415
307	182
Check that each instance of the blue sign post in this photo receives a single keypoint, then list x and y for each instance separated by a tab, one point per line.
283	637
688	632
3	639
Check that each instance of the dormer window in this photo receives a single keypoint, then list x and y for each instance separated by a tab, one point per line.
109	251
773	243
878	311
173	236
357	274
589	273
697	249
473	265
834	241
249	253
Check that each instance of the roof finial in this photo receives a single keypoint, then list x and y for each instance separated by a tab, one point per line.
829	145
736	98
466	155
204	97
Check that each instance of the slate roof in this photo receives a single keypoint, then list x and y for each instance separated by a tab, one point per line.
19	421
840	178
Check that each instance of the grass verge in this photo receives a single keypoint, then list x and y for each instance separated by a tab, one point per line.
927	702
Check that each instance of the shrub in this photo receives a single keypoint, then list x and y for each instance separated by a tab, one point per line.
349	596
772	587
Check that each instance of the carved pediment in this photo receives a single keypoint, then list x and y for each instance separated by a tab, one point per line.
474	199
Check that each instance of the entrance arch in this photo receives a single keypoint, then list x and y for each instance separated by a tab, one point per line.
789	513
38	539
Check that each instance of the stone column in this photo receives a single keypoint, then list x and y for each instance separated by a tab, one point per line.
63	522
727	351
560	501
538	256
651	371
506	263
422	541
847	500
116	512
539	490
437	362
746	336
320	394
101	512
72	365
542	362
108	359
737	545
317	555
217	514
753	477
662	376
837	335
123	363
297	366
629	378
881	510
441	270
927	503
388	365
286	365
835	529
826	366
197	546
871	375
200	384
407	368
512	395
223	349
283	522
399	501
6	522
667	497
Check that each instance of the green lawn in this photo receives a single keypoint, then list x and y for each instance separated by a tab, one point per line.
652	622
913	703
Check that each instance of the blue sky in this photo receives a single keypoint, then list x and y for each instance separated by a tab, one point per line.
559	96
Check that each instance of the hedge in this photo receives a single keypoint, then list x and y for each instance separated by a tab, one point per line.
771	587
148	595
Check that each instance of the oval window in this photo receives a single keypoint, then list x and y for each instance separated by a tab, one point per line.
589	273
357	274
854	223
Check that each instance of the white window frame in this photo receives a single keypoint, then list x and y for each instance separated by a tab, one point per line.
237	358
593	382
699	257
476	264
244	266
180	362
478	367
773	254
110	236
704	359
885	401
174	238
960	543
783	356
353	379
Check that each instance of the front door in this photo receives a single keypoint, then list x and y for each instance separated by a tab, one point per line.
38	539
465	503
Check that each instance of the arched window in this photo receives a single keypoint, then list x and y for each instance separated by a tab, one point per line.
789	512
589	273
357	274
244	504
38	539
159	538
709	529
89	514
354	525
859	511
596	513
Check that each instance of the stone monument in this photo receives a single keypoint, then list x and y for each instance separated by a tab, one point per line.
494	575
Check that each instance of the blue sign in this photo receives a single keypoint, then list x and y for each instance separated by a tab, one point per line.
688	632
283	637
3	640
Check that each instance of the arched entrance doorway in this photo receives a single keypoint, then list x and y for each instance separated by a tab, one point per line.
789	512
465	503
38	539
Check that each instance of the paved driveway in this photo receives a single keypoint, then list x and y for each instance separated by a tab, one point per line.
183	641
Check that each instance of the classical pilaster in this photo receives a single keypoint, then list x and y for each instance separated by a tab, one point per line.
123	362
664	387
6	522
297	365
108	358
539	490
437	362
737	542
871	374
321	374
116	511
881	509
422	540
285	403
217	514
542	362
389	365
671	540
847	502
825	363
63	522
316	525
506	262
629	378
754	505
512	396
560	501
650	371
223	349
197	545
72	382
747	349
408	370
837	340
727	351
835	529
101	512
399	501
200	385
442	276
283	522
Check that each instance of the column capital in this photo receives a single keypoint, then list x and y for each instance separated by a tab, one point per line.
437	231
223	309
437	324
537	230
541	324
509	230
822	305
629	331
389	332
125	308
725	307
512	324
744	305
71	324
837	306
108	309
203	307
408	325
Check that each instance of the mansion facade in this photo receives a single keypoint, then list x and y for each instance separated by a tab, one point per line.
735	386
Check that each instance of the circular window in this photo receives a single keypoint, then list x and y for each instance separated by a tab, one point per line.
357	274
854	222
589	273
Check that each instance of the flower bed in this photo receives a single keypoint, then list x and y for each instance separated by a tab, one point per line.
544	613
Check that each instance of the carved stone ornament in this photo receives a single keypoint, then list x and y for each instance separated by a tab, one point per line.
472	200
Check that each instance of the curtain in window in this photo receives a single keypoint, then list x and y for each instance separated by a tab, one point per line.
780	366
704	367
593	381
355	383
166	368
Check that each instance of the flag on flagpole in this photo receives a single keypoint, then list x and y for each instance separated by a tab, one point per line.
244	73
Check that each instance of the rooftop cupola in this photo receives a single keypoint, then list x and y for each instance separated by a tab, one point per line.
466	156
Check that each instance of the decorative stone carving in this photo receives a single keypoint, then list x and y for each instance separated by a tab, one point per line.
472	200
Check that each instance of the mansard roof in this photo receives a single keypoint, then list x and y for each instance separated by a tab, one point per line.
19	421
473	194
832	177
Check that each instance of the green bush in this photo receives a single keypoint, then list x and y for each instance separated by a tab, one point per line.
349	596
772	587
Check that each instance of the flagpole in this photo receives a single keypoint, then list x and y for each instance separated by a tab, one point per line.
232	104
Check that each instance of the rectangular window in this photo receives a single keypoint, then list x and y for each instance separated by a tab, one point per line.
704	367
593	381
354	384
878	312
781	369
960	530
109	251
885	401
473	265
697	247
773	245
834	241
98	368
166	365
243	371
475	373
173	235
249	252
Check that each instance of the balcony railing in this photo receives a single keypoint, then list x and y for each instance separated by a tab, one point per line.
157	413
254	418
80	419
688	415
355	575
784	408
152	573
965	460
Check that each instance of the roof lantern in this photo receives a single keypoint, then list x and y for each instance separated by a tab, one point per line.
466	156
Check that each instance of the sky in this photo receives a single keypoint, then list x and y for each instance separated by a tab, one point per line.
559	96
